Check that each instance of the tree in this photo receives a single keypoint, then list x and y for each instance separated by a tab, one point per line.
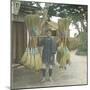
77	13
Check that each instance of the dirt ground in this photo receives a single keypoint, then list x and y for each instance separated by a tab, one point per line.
75	74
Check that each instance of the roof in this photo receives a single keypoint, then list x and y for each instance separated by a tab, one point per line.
25	7
53	25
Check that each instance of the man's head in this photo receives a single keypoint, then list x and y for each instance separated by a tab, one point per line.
49	33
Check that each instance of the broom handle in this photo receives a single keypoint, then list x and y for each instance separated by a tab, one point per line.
27	39
40	36
30	39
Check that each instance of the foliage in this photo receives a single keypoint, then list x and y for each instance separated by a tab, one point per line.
82	50
74	12
74	43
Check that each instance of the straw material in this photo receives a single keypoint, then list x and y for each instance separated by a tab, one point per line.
33	24
24	57
63	56
32	59
38	62
63	24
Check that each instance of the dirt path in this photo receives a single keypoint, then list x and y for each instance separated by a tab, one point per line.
76	74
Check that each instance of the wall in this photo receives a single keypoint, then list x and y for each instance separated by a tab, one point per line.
18	41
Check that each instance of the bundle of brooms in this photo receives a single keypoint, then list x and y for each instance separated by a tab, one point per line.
63	54
63	24
33	23
31	58
63	29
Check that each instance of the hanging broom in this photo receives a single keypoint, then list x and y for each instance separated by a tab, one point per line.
30	21
31	59
26	54
24	57
63	27
33	24
28	60
36	58
38	61
63	56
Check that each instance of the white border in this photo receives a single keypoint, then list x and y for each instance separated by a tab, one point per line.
85	2
5	44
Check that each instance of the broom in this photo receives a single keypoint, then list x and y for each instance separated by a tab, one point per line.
63	27
33	60
33	23
63	56
36	61
26	53
26	58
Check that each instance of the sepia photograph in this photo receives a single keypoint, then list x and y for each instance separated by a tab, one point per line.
49	44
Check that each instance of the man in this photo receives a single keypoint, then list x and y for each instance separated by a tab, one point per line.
49	49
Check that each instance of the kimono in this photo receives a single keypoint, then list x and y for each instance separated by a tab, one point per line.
49	49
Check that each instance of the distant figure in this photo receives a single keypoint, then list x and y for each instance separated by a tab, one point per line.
49	49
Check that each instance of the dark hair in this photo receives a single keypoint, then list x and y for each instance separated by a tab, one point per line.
48	30
46	23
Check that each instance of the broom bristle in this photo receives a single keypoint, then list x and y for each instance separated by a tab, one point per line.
63	56
33	21
38	62
63	24
63	27
24	57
